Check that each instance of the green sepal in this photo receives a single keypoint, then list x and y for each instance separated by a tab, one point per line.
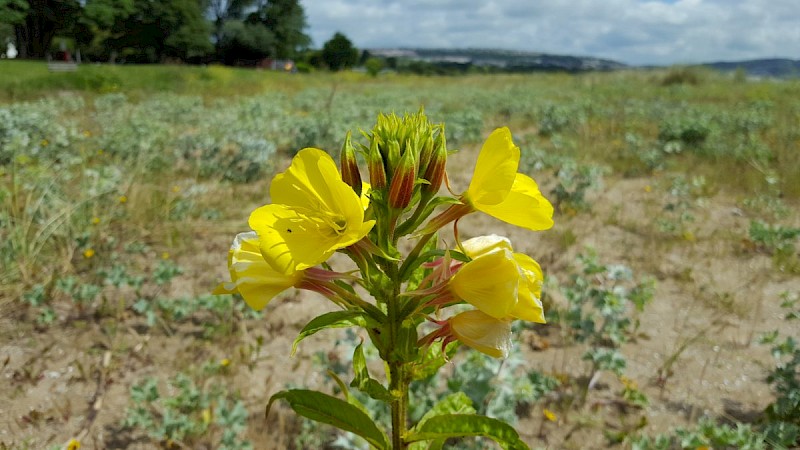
464	425
365	383
335	319
333	411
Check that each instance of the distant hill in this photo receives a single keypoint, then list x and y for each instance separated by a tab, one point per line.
504	60
776	67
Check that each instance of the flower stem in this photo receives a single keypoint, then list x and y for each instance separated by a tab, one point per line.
399	387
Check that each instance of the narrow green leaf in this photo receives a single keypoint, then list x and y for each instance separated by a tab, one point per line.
333	411
464	425
363	382
335	319
432	360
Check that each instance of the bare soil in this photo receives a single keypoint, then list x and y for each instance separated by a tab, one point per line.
73	378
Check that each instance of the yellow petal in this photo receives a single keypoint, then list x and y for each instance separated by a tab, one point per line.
495	169
488	283
481	245
529	305
251	276
482	332
524	206
315	213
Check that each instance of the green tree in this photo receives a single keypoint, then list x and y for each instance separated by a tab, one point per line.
36	22
240	41
95	26
374	66
286	19
159	30
338	53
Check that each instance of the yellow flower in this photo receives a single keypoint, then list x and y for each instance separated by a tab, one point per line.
498	190
225	362
123	199
87	133
88	253
482	332
95	220
489	283
314	214
73	444
529	289
165	255
255	280
44	143
549	415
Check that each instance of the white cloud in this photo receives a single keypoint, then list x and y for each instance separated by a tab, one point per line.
631	31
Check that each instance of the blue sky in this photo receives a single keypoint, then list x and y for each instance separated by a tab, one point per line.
630	31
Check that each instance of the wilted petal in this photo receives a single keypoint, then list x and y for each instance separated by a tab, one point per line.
482	332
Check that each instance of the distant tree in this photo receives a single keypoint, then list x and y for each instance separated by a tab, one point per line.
222	11
286	19
96	23
338	53
12	13
158	30
240	42
374	66
36	22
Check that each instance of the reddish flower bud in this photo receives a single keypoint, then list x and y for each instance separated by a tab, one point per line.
434	171
349	165
403	179
377	173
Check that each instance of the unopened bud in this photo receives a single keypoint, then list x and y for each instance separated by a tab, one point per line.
434	171
349	165
425	154
377	173
392	156
403	179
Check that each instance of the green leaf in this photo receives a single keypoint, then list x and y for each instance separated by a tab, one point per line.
335	319
363	382
333	411
432	360
463	425
455	403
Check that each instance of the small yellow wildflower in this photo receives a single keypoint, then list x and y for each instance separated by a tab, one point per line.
176	189
95	220
165	255
45	142
549	415
206	416
87	133
648	188
123	199
73	444
88	253
225	362
689	236
628	383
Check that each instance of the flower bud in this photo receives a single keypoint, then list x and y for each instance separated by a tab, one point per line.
434	172
403	180
349	165
377	173
392	156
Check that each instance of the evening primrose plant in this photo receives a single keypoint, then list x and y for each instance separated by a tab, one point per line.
414	300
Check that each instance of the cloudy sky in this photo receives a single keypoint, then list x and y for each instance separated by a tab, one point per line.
629	31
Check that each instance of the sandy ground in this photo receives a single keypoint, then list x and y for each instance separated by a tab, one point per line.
74	377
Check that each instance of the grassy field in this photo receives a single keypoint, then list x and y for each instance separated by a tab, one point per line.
672	271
